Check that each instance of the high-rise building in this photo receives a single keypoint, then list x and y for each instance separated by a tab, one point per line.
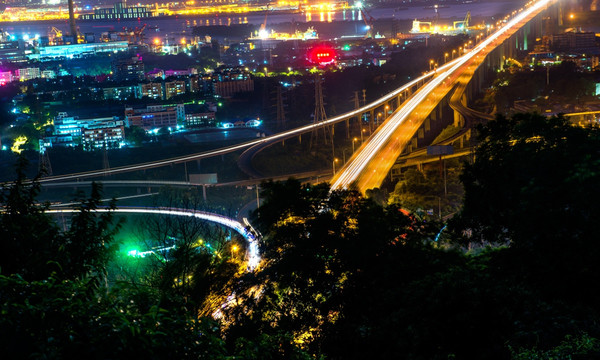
153	90
28	74
174	88
574	42
128	69
155	117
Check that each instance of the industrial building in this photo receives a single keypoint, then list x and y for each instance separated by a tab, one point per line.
119	11
71	51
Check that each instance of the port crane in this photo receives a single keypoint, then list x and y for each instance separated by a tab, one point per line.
133	35
369	21
463	24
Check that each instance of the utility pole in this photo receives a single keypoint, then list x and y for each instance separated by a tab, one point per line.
319	117
105	164
44	166
280	110
356	106
257	198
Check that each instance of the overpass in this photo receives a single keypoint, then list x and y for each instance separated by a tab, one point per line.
419	108
246	230
369	166
392	99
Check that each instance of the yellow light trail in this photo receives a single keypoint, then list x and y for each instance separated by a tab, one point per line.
371	150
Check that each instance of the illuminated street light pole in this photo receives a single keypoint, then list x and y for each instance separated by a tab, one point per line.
353	140
445	58
333	164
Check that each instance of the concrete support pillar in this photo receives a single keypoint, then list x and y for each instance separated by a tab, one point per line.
459	120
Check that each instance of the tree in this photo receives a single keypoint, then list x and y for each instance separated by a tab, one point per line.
52	305
34	246
136	135
534	186
320	250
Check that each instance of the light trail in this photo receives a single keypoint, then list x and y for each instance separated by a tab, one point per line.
354	168
105	200
246	231
225	150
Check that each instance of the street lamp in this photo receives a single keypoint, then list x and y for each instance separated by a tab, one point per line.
453	52
445	58
430	64
353	141
234	249
333	164
361	135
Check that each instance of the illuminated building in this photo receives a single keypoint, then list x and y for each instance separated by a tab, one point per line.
119	11
77	50
187	72
227	83
229	88
155	116
174	88
197	116
153	90
95	133
12	51
128	69
203	119
103	133
28	74
48	74
121	92
577	42
5	77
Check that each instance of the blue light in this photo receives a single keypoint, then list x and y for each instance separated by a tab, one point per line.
437	237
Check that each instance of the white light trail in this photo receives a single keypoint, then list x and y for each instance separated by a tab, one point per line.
253	252
225	150
353	169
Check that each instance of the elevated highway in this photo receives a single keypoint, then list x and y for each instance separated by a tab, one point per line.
245	230
414	104
392	100
369	166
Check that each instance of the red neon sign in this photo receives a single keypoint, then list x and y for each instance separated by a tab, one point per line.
322	55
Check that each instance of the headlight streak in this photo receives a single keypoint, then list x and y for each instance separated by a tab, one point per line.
350	173
225	150
253	252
